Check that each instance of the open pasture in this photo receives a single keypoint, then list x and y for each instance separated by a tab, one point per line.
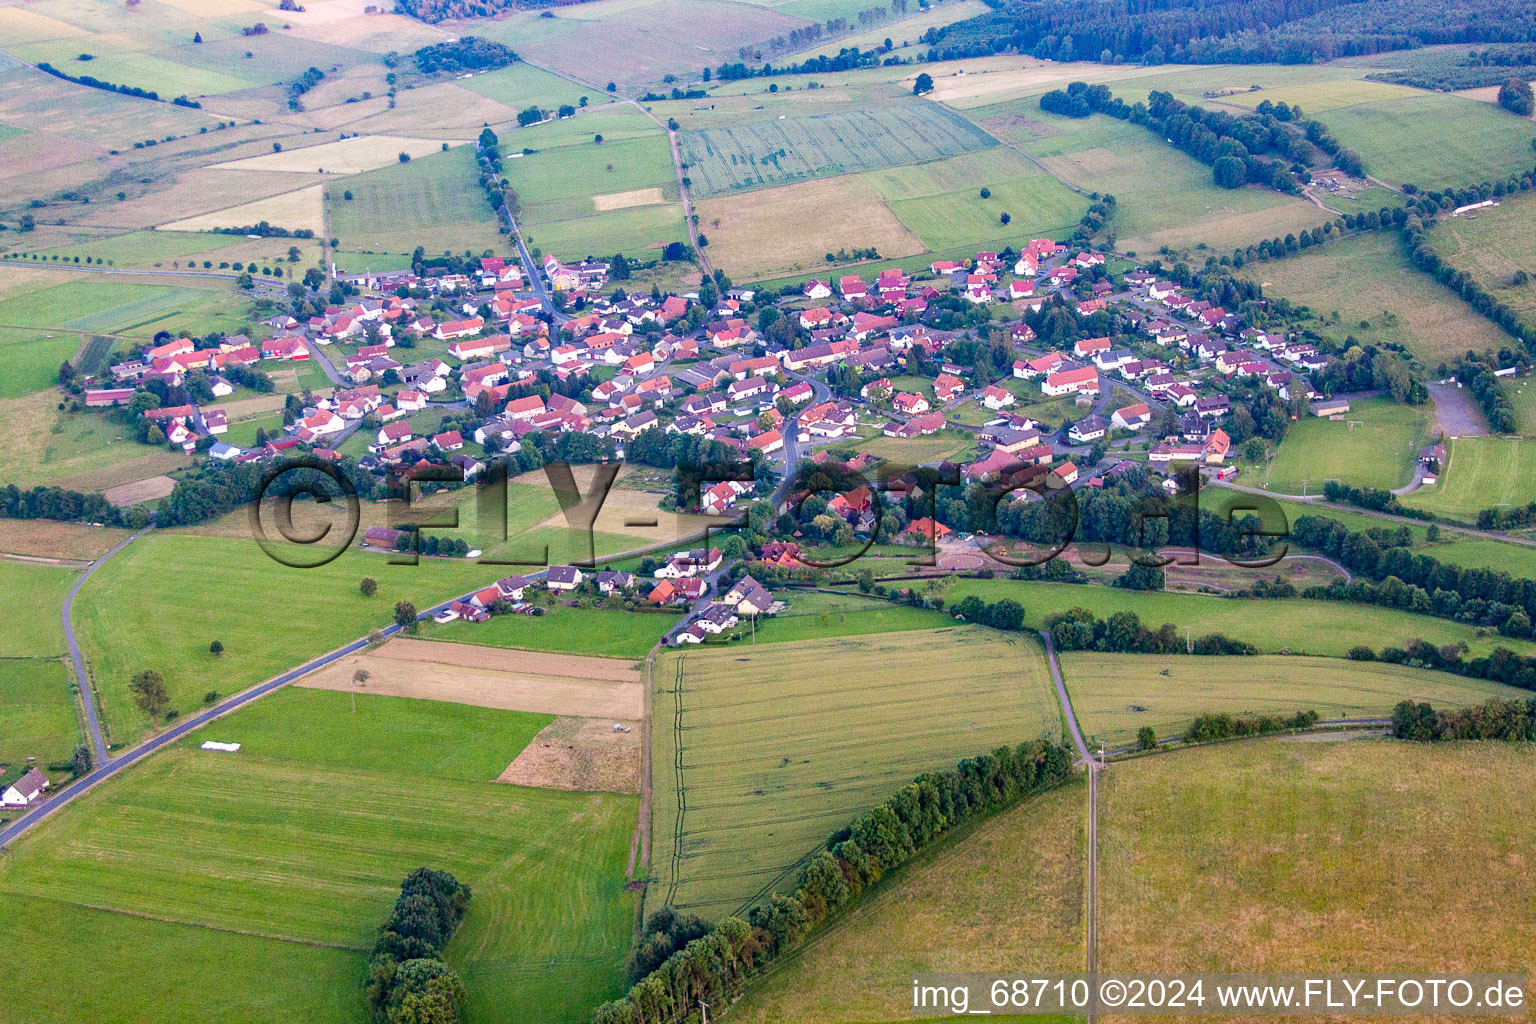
1494	246
1292	626
759	755
790	229
523	85
82	449
433	201
30	358
775	152
37	714
815	616
312	854
1316	97
1375	444
600	632
1114	695
1488	142
1483	472
1378	298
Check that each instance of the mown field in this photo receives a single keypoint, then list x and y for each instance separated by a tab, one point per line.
294	857
776	152
815	616
1276	627
1114	695
1483	472
1374	445
1365	288
607	633
38	716
30	359
759	755
434	201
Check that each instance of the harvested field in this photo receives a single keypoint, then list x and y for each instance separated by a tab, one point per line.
346	156
301	208
493	678
782	230
44	538
584	754
140	491
624	200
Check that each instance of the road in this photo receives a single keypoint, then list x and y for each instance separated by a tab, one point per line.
1091	893
87	698
1065	700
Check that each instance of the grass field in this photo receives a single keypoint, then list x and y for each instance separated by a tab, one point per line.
133	615
1116	694
904	32
37	714
813	616
1493	245
344	156
760	755
1379	450
776	152
607	633
1365	288
523	85
433	201
941	914
1279	855
1488	142
83	449
308	853
1275	627
30	358
1483	472
917	450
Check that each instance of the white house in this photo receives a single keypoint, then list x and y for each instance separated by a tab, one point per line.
24	790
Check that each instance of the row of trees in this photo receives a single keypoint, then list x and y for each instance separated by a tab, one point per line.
1372	498
1512	721
1077	629
713	967
1005	614
1503	665
1222	726
408	982
58	504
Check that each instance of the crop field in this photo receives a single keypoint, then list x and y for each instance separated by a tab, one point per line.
904	32
1494	245
1488	143
790	229
1483	472
239	585
1275	627
1277	855
1378	298
1116	694
1317	97
345	156
776	152
760	755
434	201
940	914
1375	444
307	854
301	208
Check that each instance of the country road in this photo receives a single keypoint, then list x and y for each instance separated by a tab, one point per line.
87	698
1065	699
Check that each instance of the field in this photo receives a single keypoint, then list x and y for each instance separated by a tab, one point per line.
1365	288
134	615
1275	627
301	208
1483	472
46	539
434	201
523	85
777	152
791	228
345	156
1488	143
1493	245
904	32
1523	397
1379	450
1116	694
763	754
1279	856
300	851
917	450
816	616
84	450
941	914
30	358
37	709
601	632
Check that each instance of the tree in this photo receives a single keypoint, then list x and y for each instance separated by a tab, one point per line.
369	586
27	223
82	761
346	194
1515	96
210	698
405	157
216	648
405	614
1003	218
1230	172
148	689
1146	738
986	193
197	37
244	281
612	87
359	680
924	84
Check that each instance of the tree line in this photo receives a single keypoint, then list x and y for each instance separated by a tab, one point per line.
1078	629
125	90
58	504
408	982
1501	666
714	966
1222	726
1512	721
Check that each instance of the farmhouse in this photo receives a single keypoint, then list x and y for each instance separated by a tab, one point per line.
1081	381
25	790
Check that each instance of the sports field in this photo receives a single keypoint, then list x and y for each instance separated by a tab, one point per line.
1292	626
301	849
1364	287
1375	444
1114	695
1482	472
759	755
434	201
1494	245
776	152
